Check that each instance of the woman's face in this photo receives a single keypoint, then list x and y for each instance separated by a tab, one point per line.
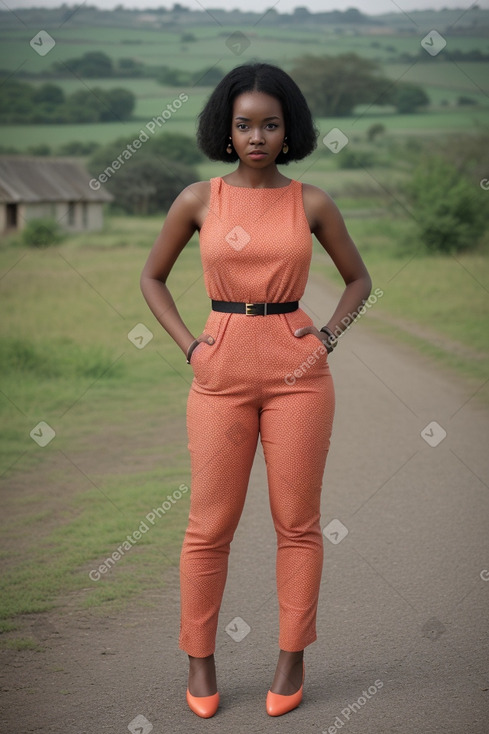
257	128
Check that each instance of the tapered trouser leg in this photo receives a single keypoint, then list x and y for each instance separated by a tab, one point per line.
222	447
295	433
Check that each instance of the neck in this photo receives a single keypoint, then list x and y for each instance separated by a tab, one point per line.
253	178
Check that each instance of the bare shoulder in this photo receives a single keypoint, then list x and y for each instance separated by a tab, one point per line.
315	196
318	205
194	201
195	194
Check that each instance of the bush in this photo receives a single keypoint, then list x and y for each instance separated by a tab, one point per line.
463	100
41	232
78	148
448	208
334	85
348	159
374	131
169	146
40	149
148	186
408	98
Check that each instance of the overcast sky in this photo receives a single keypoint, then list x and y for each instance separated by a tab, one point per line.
369	7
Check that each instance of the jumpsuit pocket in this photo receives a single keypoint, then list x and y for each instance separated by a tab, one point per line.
308	343
203	353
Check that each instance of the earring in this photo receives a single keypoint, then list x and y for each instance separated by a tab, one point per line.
285	148
229	149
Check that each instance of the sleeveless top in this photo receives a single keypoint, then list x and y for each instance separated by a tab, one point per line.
255	244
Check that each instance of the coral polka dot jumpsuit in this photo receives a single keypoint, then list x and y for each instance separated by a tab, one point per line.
255	379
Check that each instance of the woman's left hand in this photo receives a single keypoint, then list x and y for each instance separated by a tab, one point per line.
312	330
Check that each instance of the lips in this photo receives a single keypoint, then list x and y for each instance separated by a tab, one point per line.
257	154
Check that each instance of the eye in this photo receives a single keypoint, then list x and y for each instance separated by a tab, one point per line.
241	125
272	125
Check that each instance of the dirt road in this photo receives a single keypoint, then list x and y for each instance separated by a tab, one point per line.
404	607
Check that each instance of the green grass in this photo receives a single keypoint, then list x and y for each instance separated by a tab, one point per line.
446	295
160	46
23	643
452	119
64	351
444	81
466	77
67	312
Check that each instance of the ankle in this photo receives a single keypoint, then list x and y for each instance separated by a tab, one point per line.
202	676
291	658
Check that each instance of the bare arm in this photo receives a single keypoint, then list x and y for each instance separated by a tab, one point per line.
330	230
183	219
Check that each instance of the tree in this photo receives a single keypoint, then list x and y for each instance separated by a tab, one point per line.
25	104
50	94
374	131
408	98
167	146
175	147
207	77
146	185
173	77
82	106
119	104
98	104
301	13
92	64
129	67
333	85
17	100
449	209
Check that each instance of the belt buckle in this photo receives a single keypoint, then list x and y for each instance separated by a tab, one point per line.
250	309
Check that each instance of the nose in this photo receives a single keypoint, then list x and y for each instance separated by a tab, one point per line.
256	137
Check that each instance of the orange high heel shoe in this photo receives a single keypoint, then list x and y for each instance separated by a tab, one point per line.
278	704
204	706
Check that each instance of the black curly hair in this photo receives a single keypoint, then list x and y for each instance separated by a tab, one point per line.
215	119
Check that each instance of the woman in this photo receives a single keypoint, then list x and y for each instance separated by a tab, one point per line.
255	230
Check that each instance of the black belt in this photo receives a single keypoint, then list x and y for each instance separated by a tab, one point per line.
254	309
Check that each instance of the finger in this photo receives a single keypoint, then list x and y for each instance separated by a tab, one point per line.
207	338
302	331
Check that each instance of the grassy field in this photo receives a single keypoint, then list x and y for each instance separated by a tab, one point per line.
64	350
444	81
162	47
426	124
67	360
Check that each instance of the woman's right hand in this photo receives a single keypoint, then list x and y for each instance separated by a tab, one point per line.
207	338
